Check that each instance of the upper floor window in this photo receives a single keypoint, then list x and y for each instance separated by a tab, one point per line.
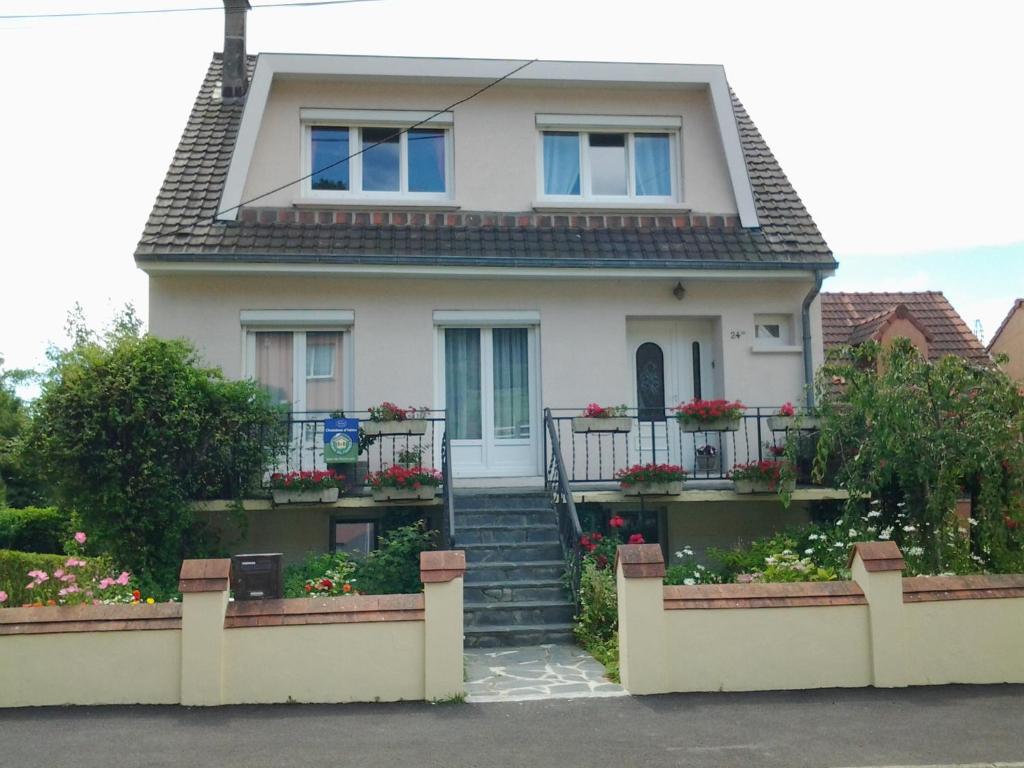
609	165
378	161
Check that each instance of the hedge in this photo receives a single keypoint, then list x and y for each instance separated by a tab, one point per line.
34	529
14	568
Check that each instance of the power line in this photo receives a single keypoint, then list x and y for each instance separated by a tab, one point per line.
365	149
141	12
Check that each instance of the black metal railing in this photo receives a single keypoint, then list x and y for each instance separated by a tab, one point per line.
303	446
569	530
448	495
596	456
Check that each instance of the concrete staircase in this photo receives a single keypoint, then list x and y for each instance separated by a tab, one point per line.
514	593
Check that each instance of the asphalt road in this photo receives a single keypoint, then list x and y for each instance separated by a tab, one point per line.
945	725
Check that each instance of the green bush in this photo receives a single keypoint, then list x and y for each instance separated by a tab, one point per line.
14	568
34	529
394	567
314	566
129	431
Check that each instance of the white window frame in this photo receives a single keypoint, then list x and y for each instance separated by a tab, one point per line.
299	322
321	376
630	129
355	121
785	323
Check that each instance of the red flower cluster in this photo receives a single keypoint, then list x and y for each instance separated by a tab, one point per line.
589	541
616	521
637	538
701	411
595	411
787	409
305	481
777	450
390	412
410	478
770	471
649	473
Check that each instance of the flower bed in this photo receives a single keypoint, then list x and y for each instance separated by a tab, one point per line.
404	483
762	477
316	486
651	479
709	415
599	418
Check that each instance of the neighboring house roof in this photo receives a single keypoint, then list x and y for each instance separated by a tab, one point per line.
853	318
181	226
1017	305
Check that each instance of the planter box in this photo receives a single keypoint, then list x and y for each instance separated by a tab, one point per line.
761	486
715	425
671	488
407	427
707	463
614	424
352	476
785	423
426	493
320	496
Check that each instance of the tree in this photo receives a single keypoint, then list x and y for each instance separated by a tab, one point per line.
913	437
130	430
17	487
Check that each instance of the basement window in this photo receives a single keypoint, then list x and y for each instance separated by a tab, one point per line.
773	330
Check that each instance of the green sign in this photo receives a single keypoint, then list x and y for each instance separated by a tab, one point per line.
341	441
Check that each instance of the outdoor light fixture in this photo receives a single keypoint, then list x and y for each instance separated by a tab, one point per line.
679	292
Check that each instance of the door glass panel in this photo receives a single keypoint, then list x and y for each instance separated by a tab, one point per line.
511	383
274	365
697	394
323	372
650	382
462	383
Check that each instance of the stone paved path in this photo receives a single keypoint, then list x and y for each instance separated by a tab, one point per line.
534	673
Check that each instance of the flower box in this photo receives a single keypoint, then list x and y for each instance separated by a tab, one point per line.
423	493
725	424
404	427
707	463
609	424
668	488
310	496
763	486
786	423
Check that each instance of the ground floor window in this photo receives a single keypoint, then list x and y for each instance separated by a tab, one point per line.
356	537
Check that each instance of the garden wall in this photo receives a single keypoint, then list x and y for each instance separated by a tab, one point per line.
879	629
209	651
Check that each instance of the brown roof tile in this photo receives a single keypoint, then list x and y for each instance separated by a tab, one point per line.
181	226
850	318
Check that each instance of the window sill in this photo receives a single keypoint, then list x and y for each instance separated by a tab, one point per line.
364	204
594	205
788	349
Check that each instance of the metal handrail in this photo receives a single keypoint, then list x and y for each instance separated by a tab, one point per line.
448	493
569	529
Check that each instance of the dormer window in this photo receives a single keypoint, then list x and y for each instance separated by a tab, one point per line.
375	161
606	164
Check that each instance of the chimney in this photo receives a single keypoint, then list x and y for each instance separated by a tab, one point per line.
234	81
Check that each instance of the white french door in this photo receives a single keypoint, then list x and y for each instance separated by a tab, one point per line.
672	363
490	397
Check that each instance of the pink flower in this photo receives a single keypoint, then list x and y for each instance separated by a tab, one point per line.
74	562
80	537
106	582
3	596
58	574
123	578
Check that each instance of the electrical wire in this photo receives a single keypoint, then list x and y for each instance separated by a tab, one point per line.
314	172
144	11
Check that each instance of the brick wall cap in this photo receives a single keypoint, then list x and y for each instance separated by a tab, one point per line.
878	556
204	575
441	566
640	561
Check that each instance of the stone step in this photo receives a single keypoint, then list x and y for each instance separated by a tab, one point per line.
528	613
506	534
487	501
515	591
513	573
491	517
504	637
523	552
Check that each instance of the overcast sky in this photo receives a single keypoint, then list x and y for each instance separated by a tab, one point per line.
898	123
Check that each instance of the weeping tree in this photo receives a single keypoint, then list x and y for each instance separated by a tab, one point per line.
908	438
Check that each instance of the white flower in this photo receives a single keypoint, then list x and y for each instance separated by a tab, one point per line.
885	534
689	582
808	551
915	551
838	545
875	503
909	528
874	513
972	521
853	532
813	537
901	504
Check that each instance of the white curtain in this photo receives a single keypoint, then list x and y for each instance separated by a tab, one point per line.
462	383
653	164
561	163
511	383
274	365
323	394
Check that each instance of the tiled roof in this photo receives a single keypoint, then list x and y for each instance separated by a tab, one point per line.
181	226
851	318
1017	305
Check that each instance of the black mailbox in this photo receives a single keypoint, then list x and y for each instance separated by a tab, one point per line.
257	577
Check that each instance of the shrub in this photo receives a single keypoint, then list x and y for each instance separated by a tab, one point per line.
34	529
686	570
130	431
394	567
15	567
337	567
598	619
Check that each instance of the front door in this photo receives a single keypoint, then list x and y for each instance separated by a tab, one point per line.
489	384
671	364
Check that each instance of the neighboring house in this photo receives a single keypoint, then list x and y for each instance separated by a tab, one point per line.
1009	340
926	318
581	232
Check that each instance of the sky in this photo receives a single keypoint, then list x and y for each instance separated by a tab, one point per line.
897	122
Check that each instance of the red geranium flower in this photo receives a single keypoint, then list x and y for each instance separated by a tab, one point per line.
637	538
616	521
